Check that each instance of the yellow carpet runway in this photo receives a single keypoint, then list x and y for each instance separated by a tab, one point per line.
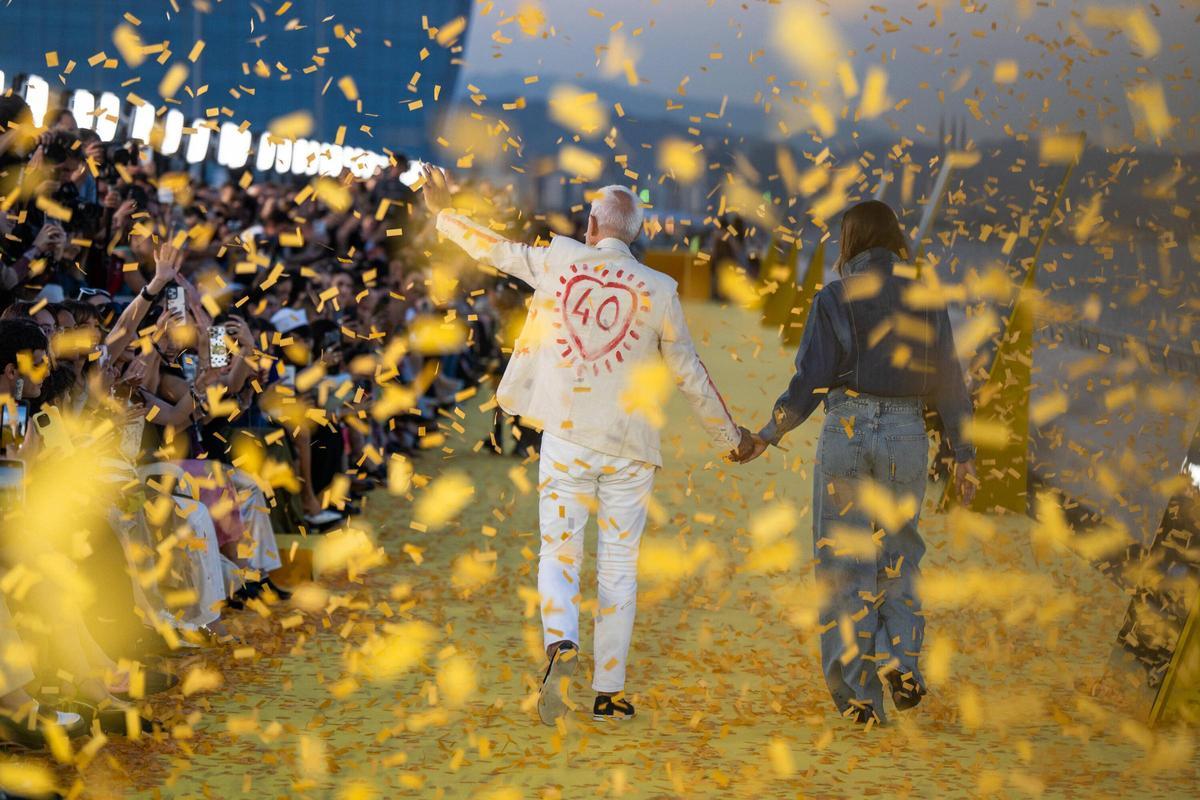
419	678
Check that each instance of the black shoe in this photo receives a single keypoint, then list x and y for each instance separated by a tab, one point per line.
612	709
250	590
556	683
17	733
110	720
906	692
279	591
861	713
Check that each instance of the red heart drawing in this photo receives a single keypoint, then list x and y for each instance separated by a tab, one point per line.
597	315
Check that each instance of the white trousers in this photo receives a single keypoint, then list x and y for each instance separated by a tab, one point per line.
574	480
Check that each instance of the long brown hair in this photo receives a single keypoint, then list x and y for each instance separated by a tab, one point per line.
867	225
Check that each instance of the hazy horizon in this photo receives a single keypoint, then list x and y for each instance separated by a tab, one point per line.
1074	61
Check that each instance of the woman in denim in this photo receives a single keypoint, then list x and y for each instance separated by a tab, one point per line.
878	362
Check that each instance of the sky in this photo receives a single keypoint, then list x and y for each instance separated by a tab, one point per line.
1074	61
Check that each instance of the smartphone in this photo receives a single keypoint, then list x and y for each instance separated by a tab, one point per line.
49	425
176	302
218	350
190	365
14	419
12	484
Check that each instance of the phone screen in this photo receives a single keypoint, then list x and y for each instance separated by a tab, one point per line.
15	423
189	364
176	303
12	484
13	419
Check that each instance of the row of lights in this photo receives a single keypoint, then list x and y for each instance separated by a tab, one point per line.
298	157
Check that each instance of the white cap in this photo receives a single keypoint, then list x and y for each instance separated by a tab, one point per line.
288	319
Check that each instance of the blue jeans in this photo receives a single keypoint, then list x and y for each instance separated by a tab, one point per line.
871	616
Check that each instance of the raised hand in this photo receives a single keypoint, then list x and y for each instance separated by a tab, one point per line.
434	190
167	260
49	238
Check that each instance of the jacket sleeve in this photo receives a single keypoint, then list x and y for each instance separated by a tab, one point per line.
950	397
693	379
816	368
525	263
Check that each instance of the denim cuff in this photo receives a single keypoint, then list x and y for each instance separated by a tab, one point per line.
769	433
964	453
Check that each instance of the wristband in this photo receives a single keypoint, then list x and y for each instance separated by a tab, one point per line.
147	296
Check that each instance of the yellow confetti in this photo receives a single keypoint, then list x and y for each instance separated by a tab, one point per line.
874	99
172	80
1006	71
681	159
296	125
443	499
579	162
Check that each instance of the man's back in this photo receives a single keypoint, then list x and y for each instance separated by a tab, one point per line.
597	315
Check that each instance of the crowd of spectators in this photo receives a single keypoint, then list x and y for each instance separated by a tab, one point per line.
188	370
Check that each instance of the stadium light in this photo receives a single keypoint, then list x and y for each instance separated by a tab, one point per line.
172	132
141	123
265	157
37	94
107	115
354	159
1	80
412	174
330	163
283	156
197	146
367	163
233	146
312	162
301	150
82	106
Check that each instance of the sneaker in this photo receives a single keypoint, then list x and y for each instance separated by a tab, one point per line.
906	692
612	709
556	684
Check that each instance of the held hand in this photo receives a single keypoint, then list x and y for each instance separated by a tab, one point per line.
965	481
95	151
237	330
749	448
136	372
123	212
49	238
435	190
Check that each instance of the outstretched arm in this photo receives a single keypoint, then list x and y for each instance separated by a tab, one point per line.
694	381
816	367
521	261
167	260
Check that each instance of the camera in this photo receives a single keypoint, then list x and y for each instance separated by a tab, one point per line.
58	147
136	193
85	218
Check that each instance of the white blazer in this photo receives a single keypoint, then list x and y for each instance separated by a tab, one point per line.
596	315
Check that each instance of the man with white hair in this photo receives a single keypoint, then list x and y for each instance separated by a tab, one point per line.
598	320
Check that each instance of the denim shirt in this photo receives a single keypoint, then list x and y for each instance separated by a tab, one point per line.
861	334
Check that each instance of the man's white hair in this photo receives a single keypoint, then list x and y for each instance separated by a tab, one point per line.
618	212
